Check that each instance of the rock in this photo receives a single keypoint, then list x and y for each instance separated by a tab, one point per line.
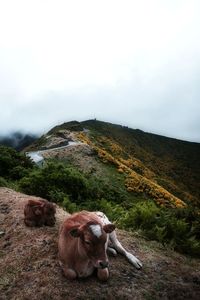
2	233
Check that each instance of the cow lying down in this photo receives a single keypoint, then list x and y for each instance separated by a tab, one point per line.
84	240
39	213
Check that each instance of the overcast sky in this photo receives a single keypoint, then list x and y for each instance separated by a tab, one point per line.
135	63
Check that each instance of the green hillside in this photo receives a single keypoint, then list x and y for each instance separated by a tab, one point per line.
171	163
175	163
142	181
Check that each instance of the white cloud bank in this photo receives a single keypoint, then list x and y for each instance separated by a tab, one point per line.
135	63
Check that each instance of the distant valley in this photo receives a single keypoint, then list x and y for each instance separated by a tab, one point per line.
17	140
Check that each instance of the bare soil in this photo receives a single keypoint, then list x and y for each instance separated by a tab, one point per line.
29	266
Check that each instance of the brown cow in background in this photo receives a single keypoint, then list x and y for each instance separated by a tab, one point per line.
39	213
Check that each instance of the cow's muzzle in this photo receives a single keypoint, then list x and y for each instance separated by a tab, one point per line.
103	264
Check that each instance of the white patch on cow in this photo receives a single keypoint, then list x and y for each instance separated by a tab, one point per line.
106	243
103	217
133	260
96	230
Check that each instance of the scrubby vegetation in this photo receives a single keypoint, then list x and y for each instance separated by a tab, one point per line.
65	185
135	200
172	163
134	182
74	191
13	165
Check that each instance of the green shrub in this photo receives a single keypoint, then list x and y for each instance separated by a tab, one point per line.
34	184
55	177
191	246
69	206
113	211
57	196
67	179
13	165
178	228
99	188
18	172
3	182
63	200
143	215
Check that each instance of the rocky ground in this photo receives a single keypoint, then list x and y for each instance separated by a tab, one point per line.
29	266
79	155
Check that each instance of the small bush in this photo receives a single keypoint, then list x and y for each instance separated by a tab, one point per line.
63	200
142	215
113	211
54	177
179	227
69	206
13	165
18	172
3	182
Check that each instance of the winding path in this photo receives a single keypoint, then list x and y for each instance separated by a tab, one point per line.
36	156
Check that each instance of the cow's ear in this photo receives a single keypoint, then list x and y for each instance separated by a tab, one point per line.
75	232
108	228
32	202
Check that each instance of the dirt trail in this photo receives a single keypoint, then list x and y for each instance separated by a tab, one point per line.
30	270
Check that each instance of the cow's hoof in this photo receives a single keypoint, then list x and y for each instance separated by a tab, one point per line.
69	273
134	261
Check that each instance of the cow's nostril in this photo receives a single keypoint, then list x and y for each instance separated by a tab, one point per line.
103	264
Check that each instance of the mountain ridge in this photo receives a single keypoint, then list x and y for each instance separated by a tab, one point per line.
171	163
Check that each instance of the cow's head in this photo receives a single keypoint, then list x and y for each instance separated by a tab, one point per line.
37	210
93	240
49	213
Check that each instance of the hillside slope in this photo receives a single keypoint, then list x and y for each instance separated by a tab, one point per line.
30	269
164	169
174	164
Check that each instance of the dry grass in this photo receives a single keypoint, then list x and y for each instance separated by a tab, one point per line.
30	269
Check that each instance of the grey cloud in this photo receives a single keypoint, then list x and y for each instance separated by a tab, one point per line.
142	72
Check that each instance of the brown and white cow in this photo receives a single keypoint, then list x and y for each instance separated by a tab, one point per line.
39	212
84	239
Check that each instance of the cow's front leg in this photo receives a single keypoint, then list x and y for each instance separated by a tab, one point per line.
69	273
118	246
30	223
111	251
103	274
